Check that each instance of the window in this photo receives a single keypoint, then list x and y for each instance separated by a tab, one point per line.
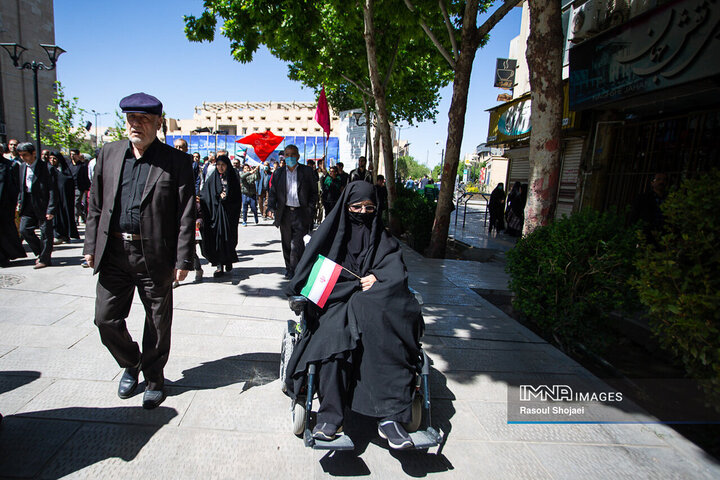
292	129
279	129
255	129
207	118
304	129
244	130
252	118
296	118
310	118
262	118
286	118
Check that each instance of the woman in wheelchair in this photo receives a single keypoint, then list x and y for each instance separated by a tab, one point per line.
365	341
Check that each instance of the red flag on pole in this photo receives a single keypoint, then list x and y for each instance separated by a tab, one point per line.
263	143
322	113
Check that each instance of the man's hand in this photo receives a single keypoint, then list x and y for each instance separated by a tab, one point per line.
90	259
367	282
180	275
49	216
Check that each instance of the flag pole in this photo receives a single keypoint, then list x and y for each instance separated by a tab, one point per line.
351	273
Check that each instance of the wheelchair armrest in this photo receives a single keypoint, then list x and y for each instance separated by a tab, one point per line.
297	303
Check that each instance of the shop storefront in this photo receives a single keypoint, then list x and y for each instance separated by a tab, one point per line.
651	89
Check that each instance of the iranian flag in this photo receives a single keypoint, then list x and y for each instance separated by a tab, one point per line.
321	281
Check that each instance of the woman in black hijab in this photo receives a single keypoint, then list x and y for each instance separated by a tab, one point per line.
496	207
365	341
220	200
65	227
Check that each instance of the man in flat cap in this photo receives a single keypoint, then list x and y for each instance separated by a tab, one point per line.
140	233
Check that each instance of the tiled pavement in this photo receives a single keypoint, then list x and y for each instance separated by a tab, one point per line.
225	416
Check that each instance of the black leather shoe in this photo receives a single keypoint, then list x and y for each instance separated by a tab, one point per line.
153	398
128	382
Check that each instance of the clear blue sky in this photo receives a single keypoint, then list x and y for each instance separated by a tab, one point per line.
117	48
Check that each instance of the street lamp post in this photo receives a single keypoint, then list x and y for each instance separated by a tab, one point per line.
15	50
97	114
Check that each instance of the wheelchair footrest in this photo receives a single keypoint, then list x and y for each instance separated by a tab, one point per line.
426	438
341	442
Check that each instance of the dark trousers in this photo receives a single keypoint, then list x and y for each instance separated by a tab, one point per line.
80	204
123	269
43	246
292	231
333	377
249	201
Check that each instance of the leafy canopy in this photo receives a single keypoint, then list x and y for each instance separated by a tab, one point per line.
324	45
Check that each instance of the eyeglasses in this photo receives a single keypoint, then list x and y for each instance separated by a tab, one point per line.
362	208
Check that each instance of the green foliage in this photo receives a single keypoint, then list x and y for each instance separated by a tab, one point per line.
679	284
118	131
568	276
324	44
437	172
64	129
416	214
408	167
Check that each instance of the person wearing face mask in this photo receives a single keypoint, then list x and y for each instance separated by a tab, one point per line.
363	341
292	196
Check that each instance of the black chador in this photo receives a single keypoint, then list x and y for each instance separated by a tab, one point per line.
374	333
65	226
10	244
220	216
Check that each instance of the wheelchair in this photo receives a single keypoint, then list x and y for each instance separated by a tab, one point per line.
422	434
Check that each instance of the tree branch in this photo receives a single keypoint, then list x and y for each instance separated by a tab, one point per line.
356	85
432	37
450	29
392	64
496	17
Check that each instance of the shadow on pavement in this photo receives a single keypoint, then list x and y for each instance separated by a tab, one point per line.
12	379
255	369
59	442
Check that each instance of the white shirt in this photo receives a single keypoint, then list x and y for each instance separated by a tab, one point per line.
291	183
91	169
30	175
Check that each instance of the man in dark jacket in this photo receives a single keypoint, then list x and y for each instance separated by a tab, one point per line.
37	203
361	173
293	194
140	234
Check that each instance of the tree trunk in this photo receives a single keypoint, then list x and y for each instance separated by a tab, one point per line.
456	126
376	151
544	58
383	124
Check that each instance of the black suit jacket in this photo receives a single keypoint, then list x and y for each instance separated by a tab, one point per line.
307	192
42	192
167	209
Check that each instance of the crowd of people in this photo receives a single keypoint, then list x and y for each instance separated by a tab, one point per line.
55	199
49	194
146	204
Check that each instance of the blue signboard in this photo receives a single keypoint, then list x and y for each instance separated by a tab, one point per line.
671	45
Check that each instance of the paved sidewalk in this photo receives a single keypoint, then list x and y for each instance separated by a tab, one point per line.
226	417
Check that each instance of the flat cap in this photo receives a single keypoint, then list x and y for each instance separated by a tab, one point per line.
141	103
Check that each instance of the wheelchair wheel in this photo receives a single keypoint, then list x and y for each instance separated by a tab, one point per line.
416	414
286	350
298	416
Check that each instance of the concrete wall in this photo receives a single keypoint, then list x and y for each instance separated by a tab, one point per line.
29	23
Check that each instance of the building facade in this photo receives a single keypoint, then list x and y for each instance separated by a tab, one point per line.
29	23
245	118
